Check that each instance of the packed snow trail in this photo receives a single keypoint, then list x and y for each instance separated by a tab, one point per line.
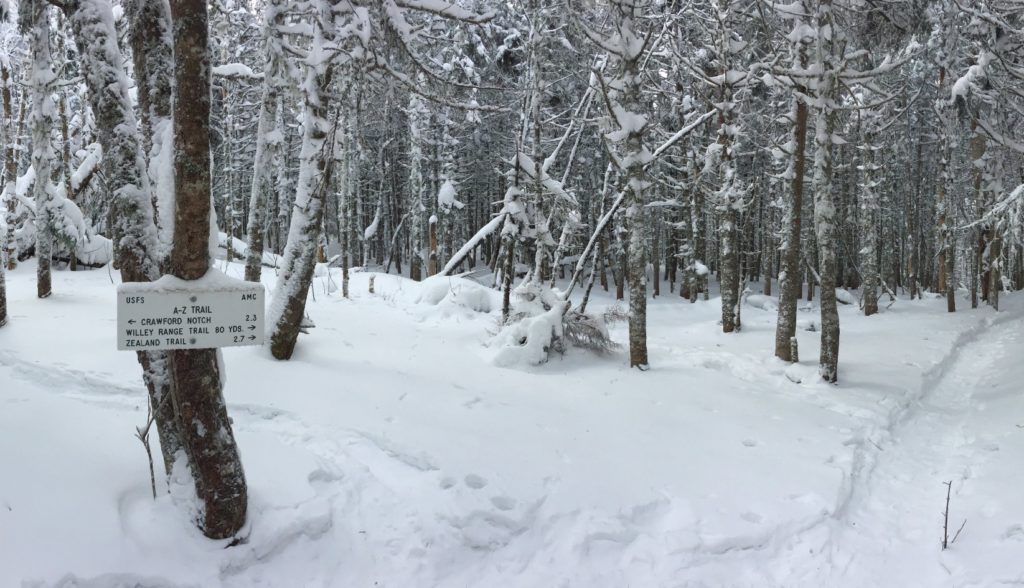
965	427
391	452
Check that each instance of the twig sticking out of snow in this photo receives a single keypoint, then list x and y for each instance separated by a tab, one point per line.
142	434
945	520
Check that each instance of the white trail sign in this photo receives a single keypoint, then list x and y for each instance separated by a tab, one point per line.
170	313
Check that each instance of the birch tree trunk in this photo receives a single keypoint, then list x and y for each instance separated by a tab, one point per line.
268	141
288	304
824	206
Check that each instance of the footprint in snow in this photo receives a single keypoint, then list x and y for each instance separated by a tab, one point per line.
447	482
322	475
475	482
1014	533
751	517
503	502
750	443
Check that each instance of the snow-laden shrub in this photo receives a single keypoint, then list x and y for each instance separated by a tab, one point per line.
71	231
534	329
541	324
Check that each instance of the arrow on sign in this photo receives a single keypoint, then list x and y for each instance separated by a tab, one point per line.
252	327
131	321
252	337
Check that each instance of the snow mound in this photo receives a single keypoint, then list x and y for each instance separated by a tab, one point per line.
95	250
803	374
763	302
844	296
240	249
450	293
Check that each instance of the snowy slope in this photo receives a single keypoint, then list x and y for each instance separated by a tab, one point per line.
391	452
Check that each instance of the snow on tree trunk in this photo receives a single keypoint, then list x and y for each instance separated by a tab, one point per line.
943	209
432	265
3	296
268	140
417	210
729	196
288	304
824	206
625	107
149	34
869	224
977	155
42	121
203	419
132	214
790	270
133	230
7	200
152	59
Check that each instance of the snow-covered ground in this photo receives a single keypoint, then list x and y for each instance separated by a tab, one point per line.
392	452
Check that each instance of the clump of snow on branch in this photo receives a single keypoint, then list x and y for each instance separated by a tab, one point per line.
446	196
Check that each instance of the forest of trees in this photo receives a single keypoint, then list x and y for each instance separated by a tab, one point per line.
650	147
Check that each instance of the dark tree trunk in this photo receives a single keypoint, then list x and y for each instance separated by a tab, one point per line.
203	418
149	22
790	270
42	121
10	169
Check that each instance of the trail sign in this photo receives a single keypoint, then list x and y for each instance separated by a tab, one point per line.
214	311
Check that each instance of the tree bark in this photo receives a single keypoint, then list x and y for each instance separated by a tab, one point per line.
268	141
8	201
203	419
288	306
869	226
946	239
728	198
790	270
824	205
66	164
149	35
42	121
